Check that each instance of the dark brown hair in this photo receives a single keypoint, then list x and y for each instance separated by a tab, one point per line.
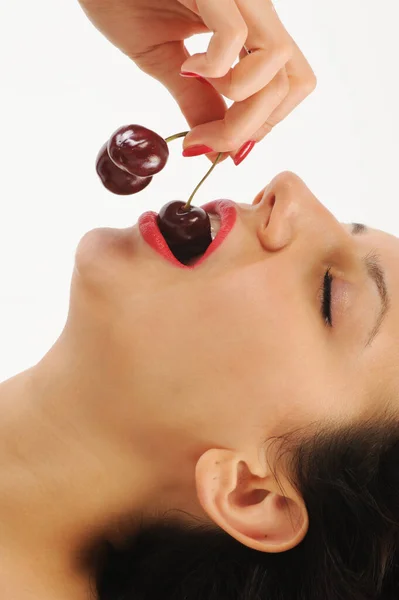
349	479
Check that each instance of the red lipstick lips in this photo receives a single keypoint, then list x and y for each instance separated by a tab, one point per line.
151	234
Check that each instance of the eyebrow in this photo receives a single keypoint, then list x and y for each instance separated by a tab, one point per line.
377	274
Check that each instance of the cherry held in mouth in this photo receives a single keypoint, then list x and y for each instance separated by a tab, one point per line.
114	179
138	150
187	231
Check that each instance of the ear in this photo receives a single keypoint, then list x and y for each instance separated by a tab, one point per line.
258	511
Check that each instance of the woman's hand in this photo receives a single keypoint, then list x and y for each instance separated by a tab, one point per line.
266	84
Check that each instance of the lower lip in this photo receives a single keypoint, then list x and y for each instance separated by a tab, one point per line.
150	231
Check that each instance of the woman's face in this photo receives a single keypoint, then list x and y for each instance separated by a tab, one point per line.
239	347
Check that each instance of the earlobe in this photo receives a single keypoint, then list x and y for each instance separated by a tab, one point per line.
258	511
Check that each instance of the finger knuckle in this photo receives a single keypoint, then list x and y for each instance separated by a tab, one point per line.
235	92
309	84
240	34
267	127
263	131
281	51
231	138
282	86
150	59
284	51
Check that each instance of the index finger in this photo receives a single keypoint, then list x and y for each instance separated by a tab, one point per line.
230	33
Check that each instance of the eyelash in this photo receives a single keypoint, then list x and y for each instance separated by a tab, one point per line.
325	301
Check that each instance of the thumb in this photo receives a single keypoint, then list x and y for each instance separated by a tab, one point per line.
199	101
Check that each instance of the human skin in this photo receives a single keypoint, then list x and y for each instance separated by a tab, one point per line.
265	85
78	465
165	383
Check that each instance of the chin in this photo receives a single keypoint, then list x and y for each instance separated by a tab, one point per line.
101	249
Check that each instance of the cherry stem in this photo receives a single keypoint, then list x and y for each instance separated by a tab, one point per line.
187	205
176	136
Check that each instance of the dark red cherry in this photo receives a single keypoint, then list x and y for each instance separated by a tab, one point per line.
138	150
114	179
186	231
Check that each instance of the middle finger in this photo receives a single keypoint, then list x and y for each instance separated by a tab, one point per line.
244	118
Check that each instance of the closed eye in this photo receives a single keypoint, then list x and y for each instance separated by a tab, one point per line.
325	300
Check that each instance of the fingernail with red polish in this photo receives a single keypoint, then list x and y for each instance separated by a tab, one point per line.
189	74
197	150
243	152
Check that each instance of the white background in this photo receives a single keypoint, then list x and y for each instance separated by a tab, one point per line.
64	89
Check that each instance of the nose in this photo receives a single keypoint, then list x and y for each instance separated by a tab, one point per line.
288	212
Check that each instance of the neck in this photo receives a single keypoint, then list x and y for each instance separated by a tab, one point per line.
70	474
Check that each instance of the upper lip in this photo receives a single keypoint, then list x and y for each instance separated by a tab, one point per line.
149	229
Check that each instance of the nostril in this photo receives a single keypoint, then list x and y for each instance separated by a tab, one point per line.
258	198
269	203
